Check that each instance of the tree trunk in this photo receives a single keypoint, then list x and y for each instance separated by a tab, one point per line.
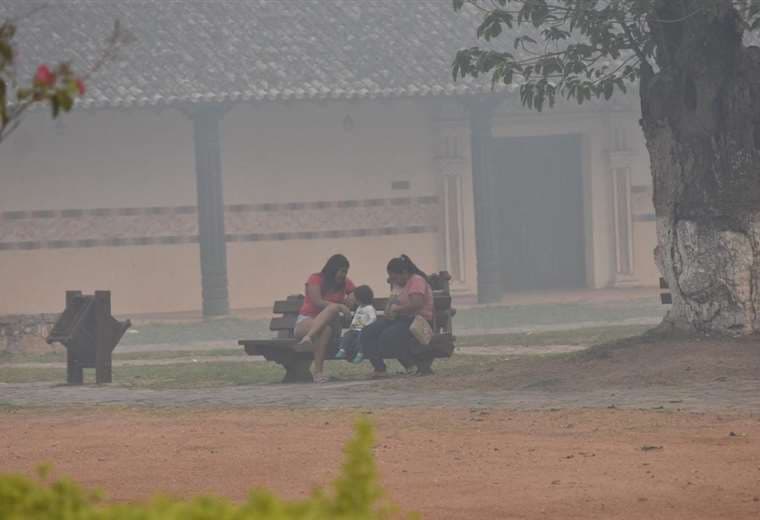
701	121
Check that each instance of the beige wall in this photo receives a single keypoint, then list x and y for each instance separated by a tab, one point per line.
141	279
166	278
644	232
260	273
271	153
104	159
300	152
644	242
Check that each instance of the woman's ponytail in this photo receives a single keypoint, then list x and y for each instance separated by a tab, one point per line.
411	267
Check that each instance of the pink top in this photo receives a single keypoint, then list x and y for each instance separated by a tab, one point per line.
309	309
417	285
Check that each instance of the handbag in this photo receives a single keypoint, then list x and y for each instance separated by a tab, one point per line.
421	330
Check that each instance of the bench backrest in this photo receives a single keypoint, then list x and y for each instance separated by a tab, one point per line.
288	309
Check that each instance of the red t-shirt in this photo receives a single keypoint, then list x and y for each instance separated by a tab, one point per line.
309	309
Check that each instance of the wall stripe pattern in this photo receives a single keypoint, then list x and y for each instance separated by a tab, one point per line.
172	225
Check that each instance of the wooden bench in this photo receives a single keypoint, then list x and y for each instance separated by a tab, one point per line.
296	359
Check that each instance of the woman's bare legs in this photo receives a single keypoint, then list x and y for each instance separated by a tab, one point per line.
320	349
316	325
302	328
318	332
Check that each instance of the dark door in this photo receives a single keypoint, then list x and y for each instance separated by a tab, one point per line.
539	186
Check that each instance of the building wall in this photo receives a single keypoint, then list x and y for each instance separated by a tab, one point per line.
301	151
142	279
89	160
635	159
301	181
300	184
103	159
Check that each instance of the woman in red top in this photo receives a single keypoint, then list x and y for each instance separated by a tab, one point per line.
325	298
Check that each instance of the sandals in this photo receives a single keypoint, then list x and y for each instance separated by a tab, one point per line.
321	378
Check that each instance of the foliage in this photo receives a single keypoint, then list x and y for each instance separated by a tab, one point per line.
582	49
58	86
357	496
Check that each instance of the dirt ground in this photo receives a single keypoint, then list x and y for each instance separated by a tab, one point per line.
634	430
444	463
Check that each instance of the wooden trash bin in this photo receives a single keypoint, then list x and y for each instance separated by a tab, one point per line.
89	333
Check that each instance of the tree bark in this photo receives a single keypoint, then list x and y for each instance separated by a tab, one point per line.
701	122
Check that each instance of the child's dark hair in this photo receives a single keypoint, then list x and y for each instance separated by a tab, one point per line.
404	264
364	295
334	264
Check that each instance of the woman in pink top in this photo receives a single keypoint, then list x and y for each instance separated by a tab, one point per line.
390	337
325	298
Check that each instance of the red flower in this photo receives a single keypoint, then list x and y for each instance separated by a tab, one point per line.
80	86
44	77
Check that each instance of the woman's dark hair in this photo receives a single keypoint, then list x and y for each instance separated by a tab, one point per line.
404	264
364	295
334	264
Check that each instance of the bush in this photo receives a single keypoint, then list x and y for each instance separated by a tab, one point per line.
357	496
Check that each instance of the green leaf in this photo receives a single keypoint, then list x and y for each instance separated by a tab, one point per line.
6	53
71	88
7	31
65	100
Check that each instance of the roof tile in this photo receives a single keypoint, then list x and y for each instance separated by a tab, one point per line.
194	50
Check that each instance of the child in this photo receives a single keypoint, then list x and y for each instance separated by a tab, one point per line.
363	316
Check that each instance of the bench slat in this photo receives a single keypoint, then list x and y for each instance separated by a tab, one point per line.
286	322
442	302
287	306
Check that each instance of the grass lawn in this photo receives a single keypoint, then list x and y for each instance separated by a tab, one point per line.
587	336
482	318
230	372
224	373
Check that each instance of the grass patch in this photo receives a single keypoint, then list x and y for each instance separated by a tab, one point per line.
220	374
37	357
177	376
496	317
60	357
507	316
5	406
588	336
224	329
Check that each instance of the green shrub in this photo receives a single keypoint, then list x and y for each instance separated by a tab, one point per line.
357	495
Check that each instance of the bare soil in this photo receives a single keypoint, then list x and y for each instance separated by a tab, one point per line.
639	429
444	463
634	363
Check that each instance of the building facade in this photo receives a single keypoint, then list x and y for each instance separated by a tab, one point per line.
230	199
